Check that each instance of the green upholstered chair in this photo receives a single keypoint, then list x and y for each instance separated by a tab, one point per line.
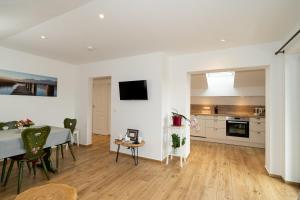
34	140
69	124
10	125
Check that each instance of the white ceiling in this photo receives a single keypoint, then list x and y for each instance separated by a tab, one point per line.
19	15
141	26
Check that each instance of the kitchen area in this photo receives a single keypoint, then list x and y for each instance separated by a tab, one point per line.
229	107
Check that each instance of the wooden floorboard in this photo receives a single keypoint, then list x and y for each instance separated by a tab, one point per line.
213	171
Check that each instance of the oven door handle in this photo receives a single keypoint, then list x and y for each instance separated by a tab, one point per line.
236	122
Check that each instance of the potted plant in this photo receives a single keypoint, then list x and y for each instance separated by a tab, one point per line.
177	118
176	142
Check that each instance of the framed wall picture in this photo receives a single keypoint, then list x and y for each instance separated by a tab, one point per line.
19	83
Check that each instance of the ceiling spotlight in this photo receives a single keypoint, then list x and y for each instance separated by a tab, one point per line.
90	48
101	16
43	37
222	40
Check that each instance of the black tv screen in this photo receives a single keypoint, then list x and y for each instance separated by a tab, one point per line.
133	90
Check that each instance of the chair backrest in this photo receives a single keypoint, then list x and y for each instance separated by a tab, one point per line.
34	140
70	124
10	125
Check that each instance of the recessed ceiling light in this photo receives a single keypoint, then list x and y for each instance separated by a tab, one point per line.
43	37
101	16
90	48
222	40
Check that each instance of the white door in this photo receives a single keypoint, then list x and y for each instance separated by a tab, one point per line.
101	106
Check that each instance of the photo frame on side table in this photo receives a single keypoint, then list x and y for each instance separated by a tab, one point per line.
133	134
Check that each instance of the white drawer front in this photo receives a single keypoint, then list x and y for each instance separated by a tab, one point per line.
222	118
220	124
257	137
209	123
220	133
209	117
257	126
257	119
215	133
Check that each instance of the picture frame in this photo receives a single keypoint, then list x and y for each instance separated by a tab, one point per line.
20	83
133	134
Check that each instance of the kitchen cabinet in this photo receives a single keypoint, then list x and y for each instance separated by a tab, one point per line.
199	129
257	130
213	128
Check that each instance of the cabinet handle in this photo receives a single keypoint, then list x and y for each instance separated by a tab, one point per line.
258	122
258	132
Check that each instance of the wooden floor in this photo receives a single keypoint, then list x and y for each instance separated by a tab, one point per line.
214	171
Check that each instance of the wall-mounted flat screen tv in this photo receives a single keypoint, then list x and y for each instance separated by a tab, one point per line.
133	90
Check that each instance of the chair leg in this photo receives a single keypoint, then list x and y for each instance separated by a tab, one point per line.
45	168
9	172
20	176
77	139
3	169
71	150
34	167
29	167
62	150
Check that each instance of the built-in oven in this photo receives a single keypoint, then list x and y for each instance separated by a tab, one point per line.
237	127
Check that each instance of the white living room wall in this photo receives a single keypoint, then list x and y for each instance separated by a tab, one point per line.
145	115
42	110
292	116
242	57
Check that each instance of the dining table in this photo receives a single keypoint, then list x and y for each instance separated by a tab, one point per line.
11	143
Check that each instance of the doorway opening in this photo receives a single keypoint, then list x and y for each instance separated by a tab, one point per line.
101	110
228	110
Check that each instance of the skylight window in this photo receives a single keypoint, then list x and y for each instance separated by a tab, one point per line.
219	80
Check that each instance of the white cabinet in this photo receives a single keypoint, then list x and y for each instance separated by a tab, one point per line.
257	137
257	130
216	133
215	127
199	128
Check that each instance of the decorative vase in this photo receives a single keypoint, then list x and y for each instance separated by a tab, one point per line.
177	120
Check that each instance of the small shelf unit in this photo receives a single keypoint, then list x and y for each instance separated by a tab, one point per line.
180	151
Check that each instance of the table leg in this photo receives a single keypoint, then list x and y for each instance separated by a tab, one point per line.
3	169
118	153
137	156
133	154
